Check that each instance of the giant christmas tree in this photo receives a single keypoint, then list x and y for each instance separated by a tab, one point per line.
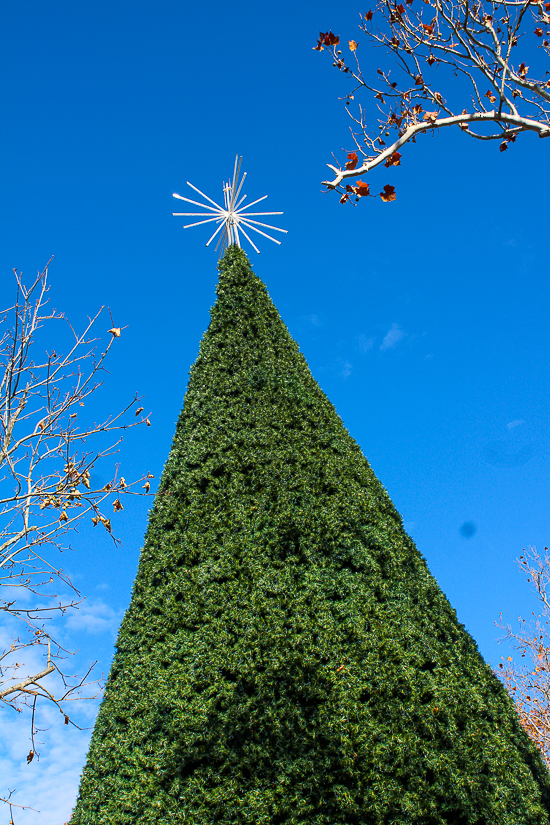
287	656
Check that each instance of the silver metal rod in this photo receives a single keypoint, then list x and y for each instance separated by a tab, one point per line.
267	225
259	231
216	232
257	214
203	205
208	220
238	192
254	202
202	193
235	179
250	240
236	231
221	240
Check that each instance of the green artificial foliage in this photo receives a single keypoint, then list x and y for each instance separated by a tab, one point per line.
287	657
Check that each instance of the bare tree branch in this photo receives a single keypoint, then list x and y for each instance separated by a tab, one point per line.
30	681
530	686
46	485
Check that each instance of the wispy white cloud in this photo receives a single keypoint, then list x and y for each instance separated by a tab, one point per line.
364	344
346	369
49	784
517	422
93	617
314	320
392	337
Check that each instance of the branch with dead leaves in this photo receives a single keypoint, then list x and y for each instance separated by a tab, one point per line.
529	686
455	63
46	484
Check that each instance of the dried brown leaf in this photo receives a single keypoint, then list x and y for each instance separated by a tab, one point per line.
388	194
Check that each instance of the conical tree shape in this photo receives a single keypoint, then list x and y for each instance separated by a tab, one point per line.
287	656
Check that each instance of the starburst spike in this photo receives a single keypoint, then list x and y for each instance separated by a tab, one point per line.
232	216
255	202
198	223
203	205
221	226
202	193
250	241
236	173
236	234
266	225
238	192
257	214
259	231
222	240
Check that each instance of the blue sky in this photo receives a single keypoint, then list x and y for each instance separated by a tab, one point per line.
424	320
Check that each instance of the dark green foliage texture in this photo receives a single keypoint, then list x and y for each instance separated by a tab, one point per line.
287	657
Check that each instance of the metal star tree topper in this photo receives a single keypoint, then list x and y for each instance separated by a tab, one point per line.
231	217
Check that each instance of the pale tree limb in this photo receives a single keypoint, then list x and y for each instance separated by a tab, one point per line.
31	680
